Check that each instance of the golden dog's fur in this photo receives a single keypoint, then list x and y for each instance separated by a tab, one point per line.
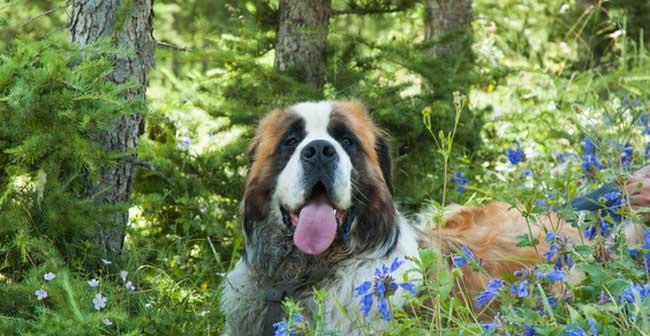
491	233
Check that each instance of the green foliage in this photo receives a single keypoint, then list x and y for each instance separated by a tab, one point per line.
544	73
53	102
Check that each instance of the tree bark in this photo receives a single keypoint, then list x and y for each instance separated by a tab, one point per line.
448	22
128	28
301	39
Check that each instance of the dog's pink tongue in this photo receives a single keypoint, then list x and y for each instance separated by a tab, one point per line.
316	227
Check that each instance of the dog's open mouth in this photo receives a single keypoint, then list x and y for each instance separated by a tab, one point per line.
316	222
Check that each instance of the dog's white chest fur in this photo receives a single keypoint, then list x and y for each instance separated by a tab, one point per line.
243	304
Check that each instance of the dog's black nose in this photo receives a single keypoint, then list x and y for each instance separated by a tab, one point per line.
318	152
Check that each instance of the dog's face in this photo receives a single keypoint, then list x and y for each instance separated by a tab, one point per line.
320	170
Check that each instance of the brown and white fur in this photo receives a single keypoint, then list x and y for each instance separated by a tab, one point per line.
357	183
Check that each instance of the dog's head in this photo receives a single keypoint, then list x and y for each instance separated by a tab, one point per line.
320	181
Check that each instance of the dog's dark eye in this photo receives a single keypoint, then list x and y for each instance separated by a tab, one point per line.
292	141
346	141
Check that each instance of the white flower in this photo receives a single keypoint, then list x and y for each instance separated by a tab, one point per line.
99	301
106	262
49	276
123	275
93	283
40	294
129	286
107	322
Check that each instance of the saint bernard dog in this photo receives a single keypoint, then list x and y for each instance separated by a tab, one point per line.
318	213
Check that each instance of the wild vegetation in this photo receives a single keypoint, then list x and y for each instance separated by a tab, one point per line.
525	101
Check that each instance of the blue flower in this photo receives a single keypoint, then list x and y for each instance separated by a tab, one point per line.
592	326
186	142
563	260
542	204
554	275
576	331
590	232
520	289
515	155
491	290
551	252
395	264
634	290
384	309
614	200
589	160
550	236
627	156
604	227
407	286
603	298
381	287
647	262
561	157
612	196
40	294
283	328
529	331
594	230
366	303
528	172
633	252
461	181
458	261
363	288
488	327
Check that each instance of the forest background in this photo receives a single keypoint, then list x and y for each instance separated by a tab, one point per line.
124	128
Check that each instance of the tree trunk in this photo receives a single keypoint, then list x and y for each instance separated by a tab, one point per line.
448	22
128	28
301	39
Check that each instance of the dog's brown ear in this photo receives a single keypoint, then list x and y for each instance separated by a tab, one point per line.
385	162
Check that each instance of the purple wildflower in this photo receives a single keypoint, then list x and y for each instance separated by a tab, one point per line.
461	181
382	287
491	290
592	326
520	289
458	261
529	331
576	331
99	301
40	294
589	160
554	275
515	155
49	276
283	328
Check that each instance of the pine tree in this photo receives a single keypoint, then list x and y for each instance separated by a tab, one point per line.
449	22
301	39
128	24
